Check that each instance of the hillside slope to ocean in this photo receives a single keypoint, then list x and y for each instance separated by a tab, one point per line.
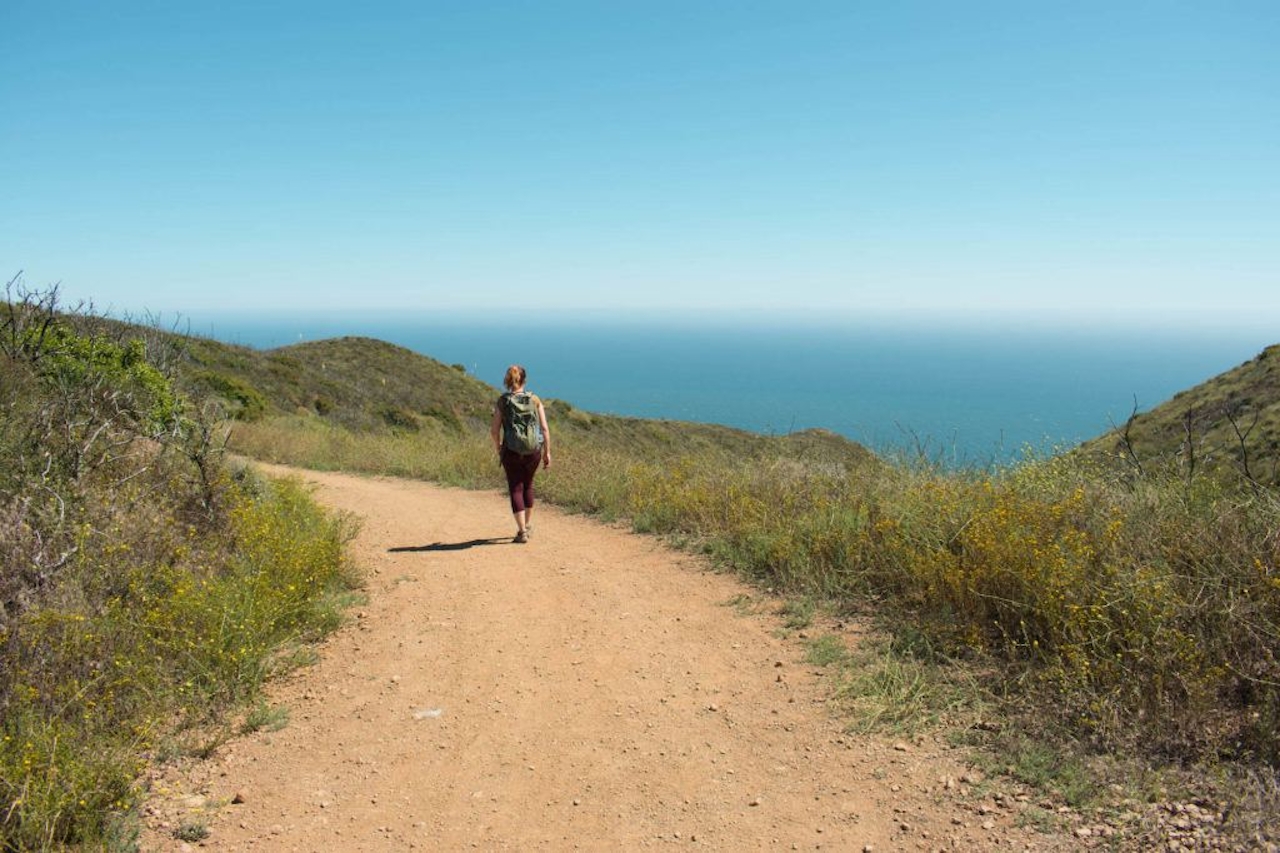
1229	424
364	384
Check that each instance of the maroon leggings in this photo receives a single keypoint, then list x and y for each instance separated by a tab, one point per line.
520	471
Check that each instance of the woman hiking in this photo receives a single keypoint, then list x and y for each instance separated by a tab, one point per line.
520	435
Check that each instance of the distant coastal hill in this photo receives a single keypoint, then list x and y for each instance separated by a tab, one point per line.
366	384
1229	424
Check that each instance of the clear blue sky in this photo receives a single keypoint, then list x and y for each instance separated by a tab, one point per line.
1079	162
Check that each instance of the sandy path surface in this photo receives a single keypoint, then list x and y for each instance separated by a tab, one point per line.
590	690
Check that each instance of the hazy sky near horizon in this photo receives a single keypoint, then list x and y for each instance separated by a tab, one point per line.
1058	162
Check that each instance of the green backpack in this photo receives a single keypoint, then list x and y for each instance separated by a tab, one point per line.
520	430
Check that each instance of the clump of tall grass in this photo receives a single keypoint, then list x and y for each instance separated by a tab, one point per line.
1148	613
433	452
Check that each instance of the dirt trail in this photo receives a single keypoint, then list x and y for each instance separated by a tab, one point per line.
589	690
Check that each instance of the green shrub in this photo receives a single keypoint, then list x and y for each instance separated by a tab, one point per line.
399	419
246	403
65	359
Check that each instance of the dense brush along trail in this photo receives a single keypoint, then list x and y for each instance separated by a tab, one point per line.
590	690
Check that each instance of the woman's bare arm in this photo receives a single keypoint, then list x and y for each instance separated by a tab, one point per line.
495	427
546	436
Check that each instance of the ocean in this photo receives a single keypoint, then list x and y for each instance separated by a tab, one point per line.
964	396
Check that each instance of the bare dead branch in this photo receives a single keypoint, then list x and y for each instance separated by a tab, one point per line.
1242	441
1189	443
1129	453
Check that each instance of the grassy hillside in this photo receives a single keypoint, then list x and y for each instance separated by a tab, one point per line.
357	382
1229	425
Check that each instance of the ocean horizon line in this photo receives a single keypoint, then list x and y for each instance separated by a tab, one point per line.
311	322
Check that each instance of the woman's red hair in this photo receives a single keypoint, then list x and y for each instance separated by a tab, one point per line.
515	377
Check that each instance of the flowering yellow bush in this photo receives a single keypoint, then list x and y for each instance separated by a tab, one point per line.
89	687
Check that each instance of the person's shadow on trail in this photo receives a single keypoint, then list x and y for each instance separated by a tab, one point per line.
449	546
